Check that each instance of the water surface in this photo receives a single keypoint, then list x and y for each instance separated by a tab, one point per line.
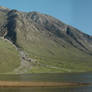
53	77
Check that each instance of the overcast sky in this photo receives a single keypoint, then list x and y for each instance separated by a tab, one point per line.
77	13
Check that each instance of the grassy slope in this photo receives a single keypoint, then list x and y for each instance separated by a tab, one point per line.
52	57
63	61
9	58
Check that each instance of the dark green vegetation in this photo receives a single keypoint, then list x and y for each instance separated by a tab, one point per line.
45	43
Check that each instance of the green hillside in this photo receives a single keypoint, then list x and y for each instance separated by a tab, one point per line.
52	57
9	57
44	44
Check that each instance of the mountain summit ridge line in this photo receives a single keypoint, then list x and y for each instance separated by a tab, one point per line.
48	43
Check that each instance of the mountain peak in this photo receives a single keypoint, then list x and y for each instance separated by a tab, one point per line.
46	40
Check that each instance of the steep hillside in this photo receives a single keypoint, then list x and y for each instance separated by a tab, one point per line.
9	57
46	44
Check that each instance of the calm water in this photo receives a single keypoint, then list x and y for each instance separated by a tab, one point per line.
55	77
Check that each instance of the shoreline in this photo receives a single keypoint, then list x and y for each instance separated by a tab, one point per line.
40	84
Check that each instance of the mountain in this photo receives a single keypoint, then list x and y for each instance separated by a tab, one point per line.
42	43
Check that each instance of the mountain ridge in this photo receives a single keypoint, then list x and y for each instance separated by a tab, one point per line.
44	20
44	39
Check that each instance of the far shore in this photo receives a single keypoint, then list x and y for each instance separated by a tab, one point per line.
40	84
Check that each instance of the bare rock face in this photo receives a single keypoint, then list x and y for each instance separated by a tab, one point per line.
34	21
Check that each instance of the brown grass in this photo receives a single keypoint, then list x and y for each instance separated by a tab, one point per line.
38	84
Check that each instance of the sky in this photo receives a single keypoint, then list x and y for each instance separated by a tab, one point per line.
77	13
